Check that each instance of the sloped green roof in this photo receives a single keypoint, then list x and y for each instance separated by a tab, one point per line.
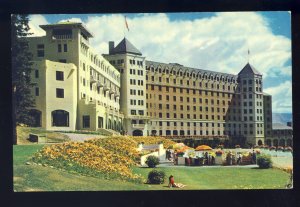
249	69
126	47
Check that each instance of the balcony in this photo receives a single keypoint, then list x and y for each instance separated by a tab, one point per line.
106	88
138	117
111	91
86	42
99	84
62	37
93	79
138	126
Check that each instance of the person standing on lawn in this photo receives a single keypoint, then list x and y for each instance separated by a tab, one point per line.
239	158
253	157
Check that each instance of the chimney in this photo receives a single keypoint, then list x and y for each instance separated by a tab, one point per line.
111	46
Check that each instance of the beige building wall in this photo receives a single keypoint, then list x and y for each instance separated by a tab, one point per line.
97	81
46	100
133	89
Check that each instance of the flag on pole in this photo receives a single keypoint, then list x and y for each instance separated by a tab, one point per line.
126	24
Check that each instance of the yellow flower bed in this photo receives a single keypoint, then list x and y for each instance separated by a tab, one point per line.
153	140
90	156
119	145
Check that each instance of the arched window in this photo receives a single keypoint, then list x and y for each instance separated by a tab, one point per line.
269	142
275	142
137	132
259	142
60	118
282	142
175	132
289	143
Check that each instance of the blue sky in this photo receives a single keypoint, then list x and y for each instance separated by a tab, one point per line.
206	40
278	20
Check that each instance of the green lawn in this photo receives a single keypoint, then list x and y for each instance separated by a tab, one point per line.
39	178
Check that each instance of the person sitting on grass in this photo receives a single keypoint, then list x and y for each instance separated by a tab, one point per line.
173	184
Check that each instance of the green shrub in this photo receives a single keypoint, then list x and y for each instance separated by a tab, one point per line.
264	161
152	161
156	177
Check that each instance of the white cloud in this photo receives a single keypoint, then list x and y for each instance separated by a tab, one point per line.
281	97
218	43
35	21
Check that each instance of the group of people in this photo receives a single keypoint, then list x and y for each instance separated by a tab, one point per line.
231	158
253	157
208	159
171	156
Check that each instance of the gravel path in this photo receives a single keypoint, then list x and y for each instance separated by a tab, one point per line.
81	137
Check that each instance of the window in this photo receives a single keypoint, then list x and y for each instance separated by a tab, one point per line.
36	74
37	91
60	75
59	93
62	60
86	121
60	118
159	106
133	112
59	48
40	50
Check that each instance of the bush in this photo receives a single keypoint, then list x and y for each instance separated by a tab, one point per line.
156	177
264	161
152	161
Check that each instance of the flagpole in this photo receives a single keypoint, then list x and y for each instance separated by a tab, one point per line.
248	55
126	25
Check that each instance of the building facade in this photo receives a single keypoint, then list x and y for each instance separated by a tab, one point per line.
131	65
78	89
183	101
282	135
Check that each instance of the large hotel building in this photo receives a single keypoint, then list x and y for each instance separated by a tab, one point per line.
122	91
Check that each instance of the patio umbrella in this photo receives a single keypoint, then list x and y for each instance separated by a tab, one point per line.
183	149
203	148
178	145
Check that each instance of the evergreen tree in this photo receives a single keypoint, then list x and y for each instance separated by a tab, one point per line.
21	69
